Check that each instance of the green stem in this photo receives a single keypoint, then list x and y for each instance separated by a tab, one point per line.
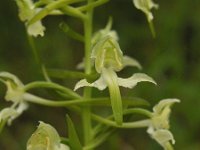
141	111
104	101
92	5
51	85
33	48
135	124
49	8
86	111
168	146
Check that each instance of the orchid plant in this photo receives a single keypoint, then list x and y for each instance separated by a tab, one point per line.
102	61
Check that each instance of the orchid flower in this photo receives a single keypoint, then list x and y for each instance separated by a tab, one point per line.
14	94
108	59
146	6
26	11
159	123
45	138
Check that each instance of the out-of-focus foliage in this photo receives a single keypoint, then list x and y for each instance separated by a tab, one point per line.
172	59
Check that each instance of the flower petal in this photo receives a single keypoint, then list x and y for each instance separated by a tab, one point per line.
107	54
63	147
14	87
146	6
9	76
163	137
25	11
45	137
105	32
6	113
99	84
19	110
36	29
164	103
134	79
128	61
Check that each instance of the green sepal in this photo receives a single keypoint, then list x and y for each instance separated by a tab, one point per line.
73	137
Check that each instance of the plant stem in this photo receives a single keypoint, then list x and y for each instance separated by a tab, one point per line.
86	117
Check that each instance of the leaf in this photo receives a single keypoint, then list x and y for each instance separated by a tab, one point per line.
100	139
134	79
73	137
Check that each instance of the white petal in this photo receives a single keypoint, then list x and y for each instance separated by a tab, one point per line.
128	61
7	75
64	147
25	9
19	110
146	6
80	66
100	84
163	137
6	113
134	79
164	103
36	29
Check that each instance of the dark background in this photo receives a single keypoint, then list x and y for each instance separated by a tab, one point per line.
172	59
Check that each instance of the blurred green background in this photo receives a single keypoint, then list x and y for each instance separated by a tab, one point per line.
172	59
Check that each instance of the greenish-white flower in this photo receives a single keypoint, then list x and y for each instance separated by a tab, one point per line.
26	11
108	59
146	6
15	92
10	113
45	138
159	123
